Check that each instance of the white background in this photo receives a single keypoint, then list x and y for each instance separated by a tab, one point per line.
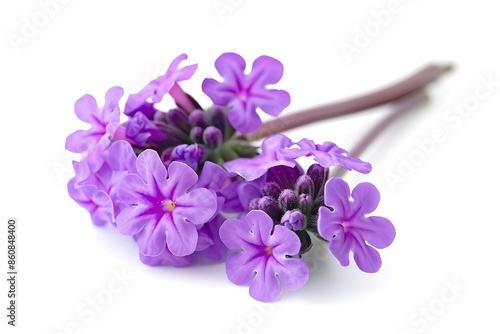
445	212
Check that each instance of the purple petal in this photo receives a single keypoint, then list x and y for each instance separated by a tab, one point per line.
153	172
184	73
231	197
166	258
340	247
366	198
250	190
328	154
293	273
219	93
122	157
265	286
181	178
266	71
284	242
366	257
96	202
113	96
272	101
231	67
131	190
197	206
272	145
243	116
152	239
134	219
262	225
182	236
329	223
217	250
236	234
377	231
240	267
80	141
212	176
337	194
86	108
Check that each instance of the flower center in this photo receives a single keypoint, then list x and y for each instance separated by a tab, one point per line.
243	95
168	205
268	250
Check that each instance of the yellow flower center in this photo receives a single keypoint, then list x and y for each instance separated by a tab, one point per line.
268	250
168	205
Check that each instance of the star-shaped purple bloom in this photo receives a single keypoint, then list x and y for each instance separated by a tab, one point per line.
279	150
347	227
164	211
103	124
156	89
264	257
245	93
271	156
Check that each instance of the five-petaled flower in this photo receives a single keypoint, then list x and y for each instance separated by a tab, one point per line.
347	227
265	256
163	212
245	93
103	124
279	150
156	89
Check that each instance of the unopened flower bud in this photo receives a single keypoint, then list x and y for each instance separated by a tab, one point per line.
191	155
196	135
179	119
270	206
293	219
199	118
271	189
305	203
304	185
287	200
212	137
219	120
318	175
253	204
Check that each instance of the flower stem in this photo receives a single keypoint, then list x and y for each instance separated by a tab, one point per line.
401	107
391	93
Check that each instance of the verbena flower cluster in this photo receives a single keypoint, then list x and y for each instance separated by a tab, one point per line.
171	178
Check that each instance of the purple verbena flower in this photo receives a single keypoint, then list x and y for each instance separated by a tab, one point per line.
347	227
245	93
164	211
264	259
103	124
327	155
96	191
279	150
156	89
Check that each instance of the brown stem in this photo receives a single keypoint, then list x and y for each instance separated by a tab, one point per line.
401	106
393	92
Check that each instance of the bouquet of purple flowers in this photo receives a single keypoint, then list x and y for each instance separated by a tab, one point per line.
189	182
